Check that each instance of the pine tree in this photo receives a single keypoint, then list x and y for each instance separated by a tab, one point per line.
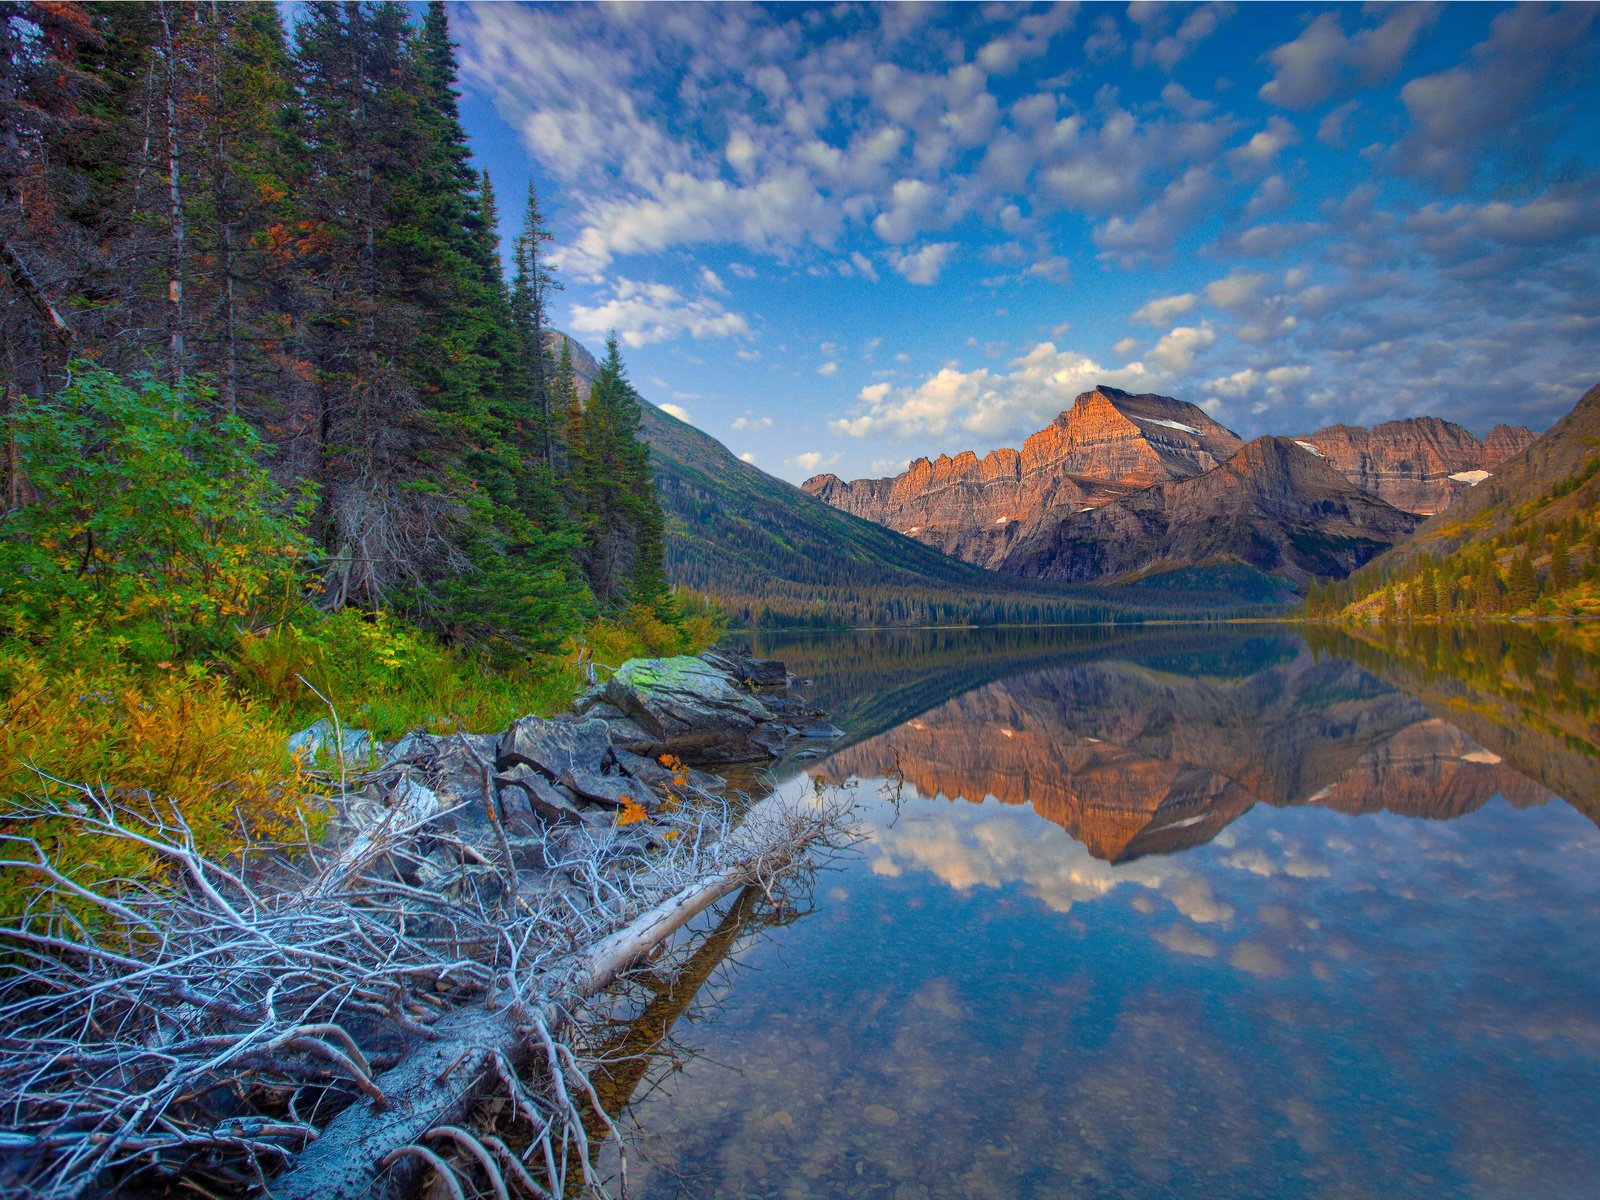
531	286
625	529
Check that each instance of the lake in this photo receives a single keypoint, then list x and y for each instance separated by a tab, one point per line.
1158	913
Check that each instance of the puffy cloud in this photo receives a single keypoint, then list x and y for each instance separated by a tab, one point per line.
676	410
925	265
1235	290
643	313
712	282
747	457
1263	148
828	368
864	265
1153	231
1163	309
985	402
811	461
1461	115
1178	349
1324	62
1126	348
743	423
1166	49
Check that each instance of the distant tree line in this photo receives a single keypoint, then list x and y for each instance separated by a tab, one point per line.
291	231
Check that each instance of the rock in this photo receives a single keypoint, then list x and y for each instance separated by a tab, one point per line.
1420	464
354	746
610	790
1275	506
555	746
415	803
541	797
687	707
753	674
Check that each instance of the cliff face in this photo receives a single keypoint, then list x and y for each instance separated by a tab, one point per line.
1275	505
1420	464
1108	445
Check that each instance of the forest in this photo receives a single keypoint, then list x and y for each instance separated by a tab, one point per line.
275	252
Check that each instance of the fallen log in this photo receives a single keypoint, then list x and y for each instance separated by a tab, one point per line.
438	1080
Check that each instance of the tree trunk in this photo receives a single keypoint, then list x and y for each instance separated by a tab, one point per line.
175	195
437	1081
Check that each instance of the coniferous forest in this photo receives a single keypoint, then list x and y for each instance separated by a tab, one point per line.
277	246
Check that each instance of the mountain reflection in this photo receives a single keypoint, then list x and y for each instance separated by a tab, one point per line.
1152	754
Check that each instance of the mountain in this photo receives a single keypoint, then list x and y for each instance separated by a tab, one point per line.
1274	505
1108	444
1420	464
770	553
1525	540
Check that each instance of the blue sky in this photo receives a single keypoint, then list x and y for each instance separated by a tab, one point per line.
838	237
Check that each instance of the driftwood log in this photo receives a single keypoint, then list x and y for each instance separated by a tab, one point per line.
316	1023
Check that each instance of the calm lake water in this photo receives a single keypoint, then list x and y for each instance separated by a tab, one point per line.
1203	912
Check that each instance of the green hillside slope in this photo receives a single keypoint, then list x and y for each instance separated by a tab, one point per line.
1524	542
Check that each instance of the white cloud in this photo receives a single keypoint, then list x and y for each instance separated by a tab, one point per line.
828	368
1178	349
864	265
1460	114
676	410
889	466
925	265
742	423
1126	348
643	313
1156	44
712	282
813	460
743	271
748	355
1164	308
1038	385
747	457
1323	62
1235	290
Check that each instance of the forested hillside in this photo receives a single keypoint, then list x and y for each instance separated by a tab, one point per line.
289	235
1526	542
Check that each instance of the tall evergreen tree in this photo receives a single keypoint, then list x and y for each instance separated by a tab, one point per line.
624	526
531	286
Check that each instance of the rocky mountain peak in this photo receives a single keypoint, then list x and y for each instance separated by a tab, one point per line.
1420	464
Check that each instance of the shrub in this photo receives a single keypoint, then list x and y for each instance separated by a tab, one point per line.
147	518
177	746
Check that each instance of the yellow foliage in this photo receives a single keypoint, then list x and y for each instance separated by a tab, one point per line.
631	812
174	747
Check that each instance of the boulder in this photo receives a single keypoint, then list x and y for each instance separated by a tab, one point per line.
524	793
753	674
687	707
552	747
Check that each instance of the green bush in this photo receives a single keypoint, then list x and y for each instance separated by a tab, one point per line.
148	519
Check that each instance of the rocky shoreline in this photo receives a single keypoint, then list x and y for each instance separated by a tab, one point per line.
321	1018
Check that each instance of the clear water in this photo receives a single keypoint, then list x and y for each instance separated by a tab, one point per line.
1196	914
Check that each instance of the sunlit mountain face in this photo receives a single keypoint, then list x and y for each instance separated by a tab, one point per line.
844	237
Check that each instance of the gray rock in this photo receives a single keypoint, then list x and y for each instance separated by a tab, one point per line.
686	706
318	743
540	797
551	747
752	674
610	790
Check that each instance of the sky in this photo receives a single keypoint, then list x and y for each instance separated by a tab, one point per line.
838	237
